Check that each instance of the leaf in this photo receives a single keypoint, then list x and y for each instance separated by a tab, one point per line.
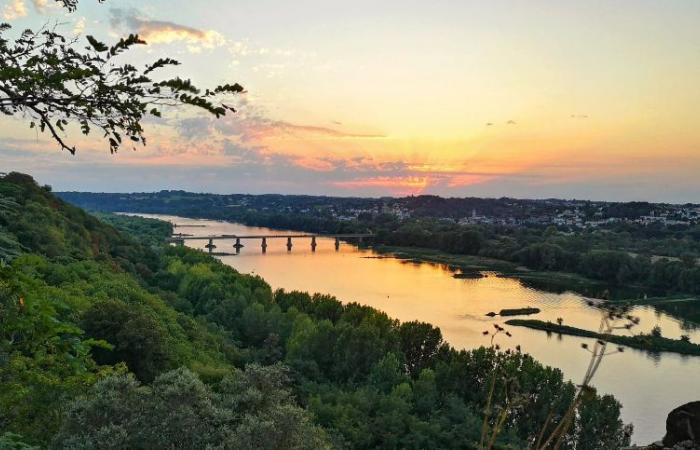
97	45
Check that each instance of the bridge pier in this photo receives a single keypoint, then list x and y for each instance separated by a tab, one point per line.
179	239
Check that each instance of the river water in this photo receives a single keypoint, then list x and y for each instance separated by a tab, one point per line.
648	386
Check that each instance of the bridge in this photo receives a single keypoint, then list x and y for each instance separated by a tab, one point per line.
238	245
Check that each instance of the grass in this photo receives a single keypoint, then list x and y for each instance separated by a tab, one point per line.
654	344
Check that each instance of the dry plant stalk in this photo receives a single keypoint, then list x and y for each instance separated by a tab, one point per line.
609	323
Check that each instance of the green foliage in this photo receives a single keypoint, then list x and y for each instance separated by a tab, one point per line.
44	358
249	409
150	232
614	257
92	322
600	413
652	342
11	441
137	338
420	342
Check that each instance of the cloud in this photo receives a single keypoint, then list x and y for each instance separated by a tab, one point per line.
266	127
257	127
246	154
251	124
79	26
165	32
14	10
410	183
40	5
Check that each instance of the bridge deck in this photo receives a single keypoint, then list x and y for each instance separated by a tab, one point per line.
270	236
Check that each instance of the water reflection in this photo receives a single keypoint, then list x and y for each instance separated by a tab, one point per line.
648	385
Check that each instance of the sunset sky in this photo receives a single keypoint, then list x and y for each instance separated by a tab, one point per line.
531	98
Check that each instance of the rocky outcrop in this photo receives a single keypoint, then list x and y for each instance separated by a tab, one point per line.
684	445
682	430
683	424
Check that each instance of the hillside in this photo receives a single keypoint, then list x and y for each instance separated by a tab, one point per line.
112	340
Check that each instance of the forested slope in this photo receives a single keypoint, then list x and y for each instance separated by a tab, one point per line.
114	341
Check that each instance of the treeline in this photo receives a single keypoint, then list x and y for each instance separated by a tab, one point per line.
593	255
653	343
420	206
550	250
620	254
108	342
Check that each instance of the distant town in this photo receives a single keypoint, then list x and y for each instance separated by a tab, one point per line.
575	214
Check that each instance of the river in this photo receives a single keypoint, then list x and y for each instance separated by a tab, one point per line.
648	386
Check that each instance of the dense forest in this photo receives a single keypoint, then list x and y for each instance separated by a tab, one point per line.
110	339
656	259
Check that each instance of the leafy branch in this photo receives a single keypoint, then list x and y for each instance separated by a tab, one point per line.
49	79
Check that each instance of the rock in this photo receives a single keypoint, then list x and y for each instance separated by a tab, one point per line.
683	427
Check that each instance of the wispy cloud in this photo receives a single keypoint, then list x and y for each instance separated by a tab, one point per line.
257	127
165	32
79	26
41	5
15	9
406	184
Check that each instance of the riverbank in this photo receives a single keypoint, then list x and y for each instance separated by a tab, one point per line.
411	291
654	344
548	281
683	306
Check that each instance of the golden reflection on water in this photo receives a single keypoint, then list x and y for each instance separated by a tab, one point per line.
649	386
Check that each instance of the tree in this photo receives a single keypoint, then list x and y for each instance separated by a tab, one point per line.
420	342
47	78
252	409
138	339
599	424
11	441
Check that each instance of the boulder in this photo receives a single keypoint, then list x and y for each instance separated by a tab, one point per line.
683	425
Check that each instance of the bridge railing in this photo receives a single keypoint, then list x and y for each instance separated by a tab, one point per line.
270	236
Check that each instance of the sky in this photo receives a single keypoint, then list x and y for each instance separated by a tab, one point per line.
522	98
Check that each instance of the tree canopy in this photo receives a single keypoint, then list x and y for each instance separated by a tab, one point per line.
109	342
